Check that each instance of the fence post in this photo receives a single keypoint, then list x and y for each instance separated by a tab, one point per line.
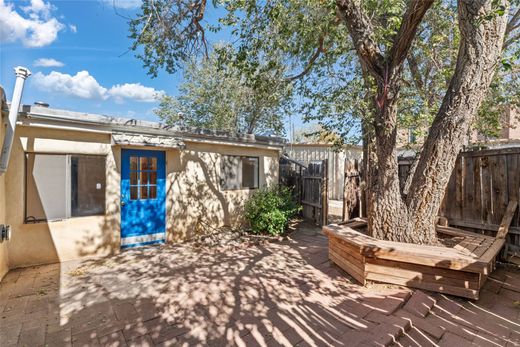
351	194
324	194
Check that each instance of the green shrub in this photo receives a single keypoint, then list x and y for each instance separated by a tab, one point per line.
269	210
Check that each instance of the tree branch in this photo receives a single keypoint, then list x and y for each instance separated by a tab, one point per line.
416	74
407	31
513	23
360	28
309	65
200	8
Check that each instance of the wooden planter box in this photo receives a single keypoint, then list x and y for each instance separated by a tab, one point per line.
459	271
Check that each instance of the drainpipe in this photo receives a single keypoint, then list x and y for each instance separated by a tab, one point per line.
21	74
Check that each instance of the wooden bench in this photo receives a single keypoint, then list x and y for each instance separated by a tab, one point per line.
461	270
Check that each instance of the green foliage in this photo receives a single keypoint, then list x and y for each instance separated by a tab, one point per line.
218	94
295	36
269	210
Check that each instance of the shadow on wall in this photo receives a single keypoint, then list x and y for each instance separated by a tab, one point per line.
109	242
48	242
42	248
197	202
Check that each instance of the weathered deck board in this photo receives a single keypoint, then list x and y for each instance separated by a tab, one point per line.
457	271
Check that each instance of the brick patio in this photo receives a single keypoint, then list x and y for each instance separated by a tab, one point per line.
284	293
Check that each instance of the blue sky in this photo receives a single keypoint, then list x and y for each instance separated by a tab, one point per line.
88	41
78	54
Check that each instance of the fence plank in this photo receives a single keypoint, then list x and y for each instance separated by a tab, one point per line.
468	210
479	190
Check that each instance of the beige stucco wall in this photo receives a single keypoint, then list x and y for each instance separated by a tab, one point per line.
41	243
194	197
4	265
195	200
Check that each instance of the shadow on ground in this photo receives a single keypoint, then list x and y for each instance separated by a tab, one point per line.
280	293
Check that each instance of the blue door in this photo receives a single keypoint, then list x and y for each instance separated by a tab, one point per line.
143	197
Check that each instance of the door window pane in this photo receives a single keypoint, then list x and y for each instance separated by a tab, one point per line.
133	163
153	192
133	178
144	192
133	193
153	177
144	163
144	178
152	164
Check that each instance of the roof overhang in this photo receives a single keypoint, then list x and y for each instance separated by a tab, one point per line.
134	139
36	116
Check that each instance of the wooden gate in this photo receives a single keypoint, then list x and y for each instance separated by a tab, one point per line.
352	202
314	193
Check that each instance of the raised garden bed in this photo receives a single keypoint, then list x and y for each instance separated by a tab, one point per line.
460	270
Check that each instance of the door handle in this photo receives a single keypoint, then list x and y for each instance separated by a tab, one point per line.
123	203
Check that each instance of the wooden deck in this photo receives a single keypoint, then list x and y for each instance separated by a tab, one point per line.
461	270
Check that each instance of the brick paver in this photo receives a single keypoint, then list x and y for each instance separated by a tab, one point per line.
285	293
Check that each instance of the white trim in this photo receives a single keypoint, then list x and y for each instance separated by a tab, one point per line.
142	238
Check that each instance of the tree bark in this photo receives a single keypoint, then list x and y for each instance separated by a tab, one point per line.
412	219
479	51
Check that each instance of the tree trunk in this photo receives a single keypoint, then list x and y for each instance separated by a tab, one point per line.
412	219
479	51
387	212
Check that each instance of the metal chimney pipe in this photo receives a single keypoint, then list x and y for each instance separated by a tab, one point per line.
21	74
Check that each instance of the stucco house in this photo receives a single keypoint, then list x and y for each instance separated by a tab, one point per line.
81	184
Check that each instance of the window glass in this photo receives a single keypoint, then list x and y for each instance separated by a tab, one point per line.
249	172
64	186
133	178
133	193
144	193
144	163
133	163
87	185
152	164
239	172
142	176
153	192
153	177
46	187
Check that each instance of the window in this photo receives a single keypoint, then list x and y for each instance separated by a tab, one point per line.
411	136
61	186
143	178
239	172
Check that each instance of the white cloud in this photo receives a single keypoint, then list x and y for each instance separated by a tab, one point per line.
124	4
38	8
83	85
73	28
135	92
38	29
48	62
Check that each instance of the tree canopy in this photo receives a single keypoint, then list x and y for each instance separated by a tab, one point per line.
365	68
217	94
306	40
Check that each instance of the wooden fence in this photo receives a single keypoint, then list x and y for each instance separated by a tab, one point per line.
314	193
312	153
309	186
480	188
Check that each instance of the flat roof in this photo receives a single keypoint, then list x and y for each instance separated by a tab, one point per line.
34	115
